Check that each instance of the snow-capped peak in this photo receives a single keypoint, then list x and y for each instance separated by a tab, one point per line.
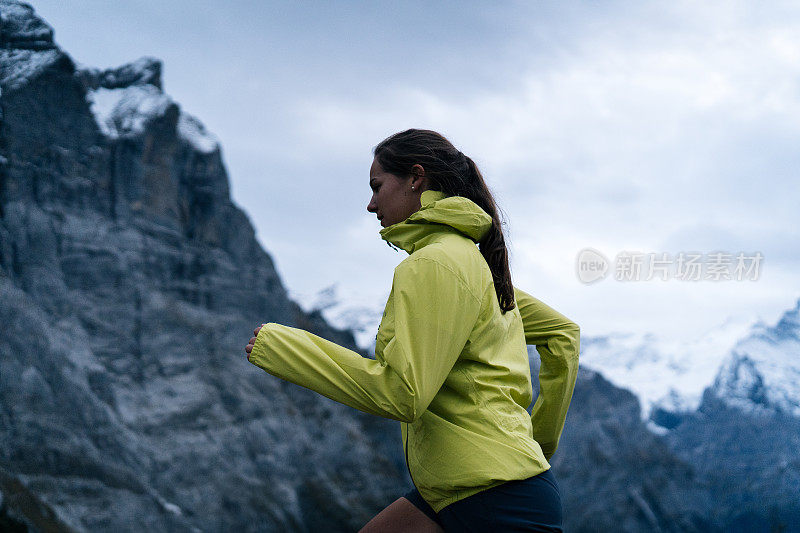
349	310
127	110
123	101
762	371
668	373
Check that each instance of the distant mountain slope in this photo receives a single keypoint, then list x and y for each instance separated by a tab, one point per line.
744	437
727	461
615	475
762	372
665	374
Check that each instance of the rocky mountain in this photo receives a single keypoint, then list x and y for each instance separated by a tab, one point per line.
762	372
728	408
129	285
748	461
744	436
725	466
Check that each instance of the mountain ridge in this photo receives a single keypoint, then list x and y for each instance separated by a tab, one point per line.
129	285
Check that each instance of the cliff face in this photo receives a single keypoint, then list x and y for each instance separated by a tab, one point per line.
129	285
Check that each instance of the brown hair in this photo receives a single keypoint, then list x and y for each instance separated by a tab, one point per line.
455	174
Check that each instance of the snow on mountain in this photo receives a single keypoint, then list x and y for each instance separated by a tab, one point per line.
351	311
19	66
144	71
762	372
668	373
192	130
126	110
123	100
22	29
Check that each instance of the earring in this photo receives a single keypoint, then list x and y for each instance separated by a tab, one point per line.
412	187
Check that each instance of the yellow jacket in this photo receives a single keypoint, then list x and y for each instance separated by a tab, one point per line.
448	363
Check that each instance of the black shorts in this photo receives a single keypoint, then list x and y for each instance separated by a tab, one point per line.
532	504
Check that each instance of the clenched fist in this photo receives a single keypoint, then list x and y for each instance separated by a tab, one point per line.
249	347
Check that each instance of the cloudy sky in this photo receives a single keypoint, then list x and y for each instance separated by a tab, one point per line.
619	126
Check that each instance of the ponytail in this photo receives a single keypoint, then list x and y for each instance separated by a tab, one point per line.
493	246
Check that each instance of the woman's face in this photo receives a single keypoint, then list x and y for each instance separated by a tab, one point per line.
393	200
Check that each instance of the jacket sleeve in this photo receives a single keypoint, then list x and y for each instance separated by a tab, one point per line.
557	339
434	313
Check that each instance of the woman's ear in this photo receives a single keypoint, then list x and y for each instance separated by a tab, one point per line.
418	178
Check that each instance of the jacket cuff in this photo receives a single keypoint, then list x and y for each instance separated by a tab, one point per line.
258	355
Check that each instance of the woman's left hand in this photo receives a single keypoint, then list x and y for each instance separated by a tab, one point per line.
249	347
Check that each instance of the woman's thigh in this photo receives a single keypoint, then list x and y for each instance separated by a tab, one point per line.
532	504
401	516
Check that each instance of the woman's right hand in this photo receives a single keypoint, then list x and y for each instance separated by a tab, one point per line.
249	347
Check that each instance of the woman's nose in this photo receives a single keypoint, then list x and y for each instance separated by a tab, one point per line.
371	207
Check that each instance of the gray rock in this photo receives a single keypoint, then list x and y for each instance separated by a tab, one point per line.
21	28
22	511
615	475
143	71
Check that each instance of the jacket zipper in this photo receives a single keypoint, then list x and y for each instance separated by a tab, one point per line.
407	465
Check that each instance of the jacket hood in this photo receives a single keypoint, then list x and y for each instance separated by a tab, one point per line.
438	213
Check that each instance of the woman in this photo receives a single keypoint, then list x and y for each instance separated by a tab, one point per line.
450	358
